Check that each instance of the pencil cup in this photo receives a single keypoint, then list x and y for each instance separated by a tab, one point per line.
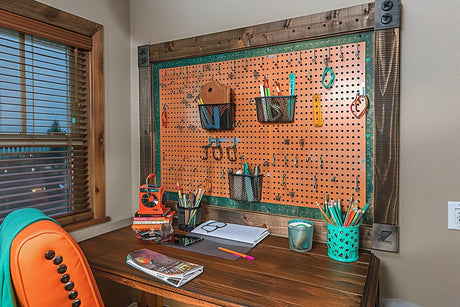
189	217
343	242
300	233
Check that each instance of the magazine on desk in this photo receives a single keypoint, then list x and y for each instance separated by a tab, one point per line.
240	233
173	271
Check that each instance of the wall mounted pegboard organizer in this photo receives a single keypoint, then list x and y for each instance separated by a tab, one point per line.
300	160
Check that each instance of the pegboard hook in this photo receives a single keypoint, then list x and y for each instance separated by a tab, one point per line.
216	149
231	149
328	57
205	152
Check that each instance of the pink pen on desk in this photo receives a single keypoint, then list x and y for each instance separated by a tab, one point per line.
236	253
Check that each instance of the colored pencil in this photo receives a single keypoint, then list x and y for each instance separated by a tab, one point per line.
322	211
236	253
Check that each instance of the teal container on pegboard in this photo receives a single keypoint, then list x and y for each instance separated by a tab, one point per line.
343	242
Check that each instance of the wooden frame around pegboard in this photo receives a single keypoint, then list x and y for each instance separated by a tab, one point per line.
273	37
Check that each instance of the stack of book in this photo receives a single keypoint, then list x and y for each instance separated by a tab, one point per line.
144	222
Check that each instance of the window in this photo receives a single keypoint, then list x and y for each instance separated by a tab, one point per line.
47	135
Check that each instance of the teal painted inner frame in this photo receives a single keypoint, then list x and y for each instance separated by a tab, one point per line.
290	210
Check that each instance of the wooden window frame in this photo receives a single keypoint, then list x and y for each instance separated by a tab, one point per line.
349	20
43	14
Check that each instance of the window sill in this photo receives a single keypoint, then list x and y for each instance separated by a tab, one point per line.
87	223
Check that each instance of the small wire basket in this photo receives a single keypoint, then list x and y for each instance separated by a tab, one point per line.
275	109
218	116
245	187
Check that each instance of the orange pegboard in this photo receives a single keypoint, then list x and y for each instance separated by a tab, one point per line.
300	162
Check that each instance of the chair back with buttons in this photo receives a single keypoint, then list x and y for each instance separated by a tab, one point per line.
48	268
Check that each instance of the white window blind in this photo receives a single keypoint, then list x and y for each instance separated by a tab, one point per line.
44	99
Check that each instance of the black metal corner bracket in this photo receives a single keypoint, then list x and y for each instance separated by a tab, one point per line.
143	56
387	14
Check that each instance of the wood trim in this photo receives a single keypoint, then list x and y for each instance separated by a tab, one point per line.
43	30
348	20
96	123
50	15
146	123
87	223
386	126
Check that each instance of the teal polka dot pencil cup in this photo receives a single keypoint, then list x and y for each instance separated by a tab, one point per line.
343	242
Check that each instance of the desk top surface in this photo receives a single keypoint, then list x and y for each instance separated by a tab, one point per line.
278	276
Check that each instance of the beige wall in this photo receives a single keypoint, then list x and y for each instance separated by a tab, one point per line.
427	269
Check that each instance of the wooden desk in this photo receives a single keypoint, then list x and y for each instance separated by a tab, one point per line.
278	276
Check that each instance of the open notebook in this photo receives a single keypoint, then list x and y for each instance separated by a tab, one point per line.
240	233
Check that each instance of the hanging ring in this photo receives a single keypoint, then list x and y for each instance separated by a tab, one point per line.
328	69
354	106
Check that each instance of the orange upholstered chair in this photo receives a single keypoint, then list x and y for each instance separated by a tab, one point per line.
48	268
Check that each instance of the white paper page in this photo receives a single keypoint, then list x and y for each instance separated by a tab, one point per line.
240	233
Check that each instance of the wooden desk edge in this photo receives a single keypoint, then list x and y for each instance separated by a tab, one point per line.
371	288
156	289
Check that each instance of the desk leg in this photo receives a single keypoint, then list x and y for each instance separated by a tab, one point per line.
147	299
117	294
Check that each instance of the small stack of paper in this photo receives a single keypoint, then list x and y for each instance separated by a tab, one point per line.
240	233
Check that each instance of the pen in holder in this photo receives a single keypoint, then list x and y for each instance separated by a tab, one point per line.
342	228
189	217
189	208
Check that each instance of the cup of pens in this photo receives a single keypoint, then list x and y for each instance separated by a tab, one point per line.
189	217
343	242
342	229
189	209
